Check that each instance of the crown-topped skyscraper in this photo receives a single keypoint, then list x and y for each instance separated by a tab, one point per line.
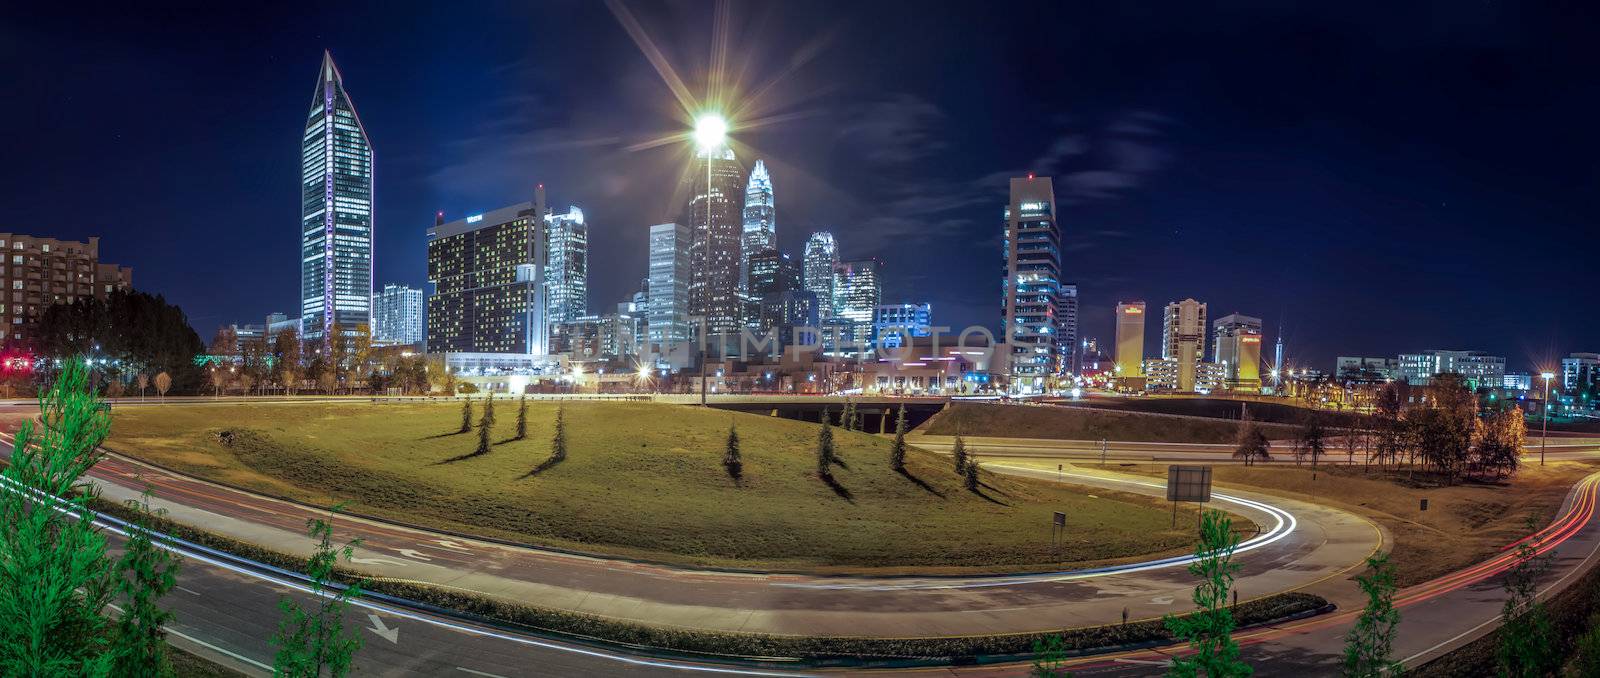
335	211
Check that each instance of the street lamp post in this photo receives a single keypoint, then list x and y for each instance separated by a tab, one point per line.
710	133
1544	433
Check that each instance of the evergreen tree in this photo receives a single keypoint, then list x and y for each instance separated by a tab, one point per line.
897	451
730	458
971	474
311	642
558	443
466	415
1049	658
958	452
488	409
148	573
53	565
1209	630
825	447
1370	642
485	423
847	417
522	417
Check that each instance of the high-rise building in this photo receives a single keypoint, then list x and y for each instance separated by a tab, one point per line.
1129	358
821	256
1183	338
773	275
1237	348
1478	369
566	270
38	272
668	304
397	315
858	289
715	215
1068	312
892	323
488	277
1032	301
760	225
336	228
1580	372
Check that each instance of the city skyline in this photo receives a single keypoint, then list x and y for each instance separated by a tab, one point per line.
1131	217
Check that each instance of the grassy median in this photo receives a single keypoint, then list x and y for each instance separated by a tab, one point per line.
646	480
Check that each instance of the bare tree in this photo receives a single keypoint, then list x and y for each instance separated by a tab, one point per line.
144	383
163	383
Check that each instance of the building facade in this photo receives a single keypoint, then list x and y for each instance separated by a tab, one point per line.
892	323
397	315
1128	353
1479	369
488	277
821	256
760	222
566	270
1031	295
1183	338
1071	355
336	226
38	272
717	220
1357	369
667	304
1580	372
858	289
1236	346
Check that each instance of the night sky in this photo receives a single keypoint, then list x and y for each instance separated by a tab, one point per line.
1378	179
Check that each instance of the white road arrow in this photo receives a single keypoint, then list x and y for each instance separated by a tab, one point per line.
409	553
1162	600
452	545
391	635
375	561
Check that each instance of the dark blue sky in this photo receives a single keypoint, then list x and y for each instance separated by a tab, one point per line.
1382	179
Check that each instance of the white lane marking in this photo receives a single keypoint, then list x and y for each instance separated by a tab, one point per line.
375	561
1162	600
391	635
202	643
452	545
412	553
190	591
464	669
1149	662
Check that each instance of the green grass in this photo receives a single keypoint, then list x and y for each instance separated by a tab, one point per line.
645	480
1082	423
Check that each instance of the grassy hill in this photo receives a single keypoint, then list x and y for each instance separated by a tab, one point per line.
646	480
1082	423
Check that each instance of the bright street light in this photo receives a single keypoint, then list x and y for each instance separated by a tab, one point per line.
710	131
1544	433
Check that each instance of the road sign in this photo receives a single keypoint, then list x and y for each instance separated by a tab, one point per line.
1188	483
1061	519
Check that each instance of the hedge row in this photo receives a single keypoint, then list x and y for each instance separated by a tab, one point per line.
816	649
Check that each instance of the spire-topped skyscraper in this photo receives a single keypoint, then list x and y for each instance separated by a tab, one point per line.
335	211
760	232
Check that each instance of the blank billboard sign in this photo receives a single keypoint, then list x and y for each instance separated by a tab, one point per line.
1188	483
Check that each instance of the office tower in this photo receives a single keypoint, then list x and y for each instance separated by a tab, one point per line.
1580	372
566	270
1478	369
858	289
488	276
1032	277
1183	338
774	277
714	259
1237	348
667	312
39	272
892	323
336	227
1129	360
397	315
1071	357
821	257
760	226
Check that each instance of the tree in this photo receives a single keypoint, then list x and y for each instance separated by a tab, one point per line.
57	578
163	382
1310	441
825	447
522	417
847	417
971	474
137	332
219	379
148	572
558	442
1253	443
286	359
311	642
1209	630
1587	662
730	458
958	452
485	424
1497	443
466	415
1527	636
1369	644
897	451
144	382
1049	658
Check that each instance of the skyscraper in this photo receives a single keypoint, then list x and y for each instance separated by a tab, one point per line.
1237	348
1032	301
760	229
1129	358
397	315
566	271
488	276
858	289
336	227
1183	338
821	257
1068	313
714	258
667	305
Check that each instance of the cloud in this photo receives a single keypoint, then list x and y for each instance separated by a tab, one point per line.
894	131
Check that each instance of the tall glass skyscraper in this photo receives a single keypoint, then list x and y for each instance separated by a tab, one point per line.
714	257
1031	293
335	211
760	228
667	305
397	315
820	259
566	274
